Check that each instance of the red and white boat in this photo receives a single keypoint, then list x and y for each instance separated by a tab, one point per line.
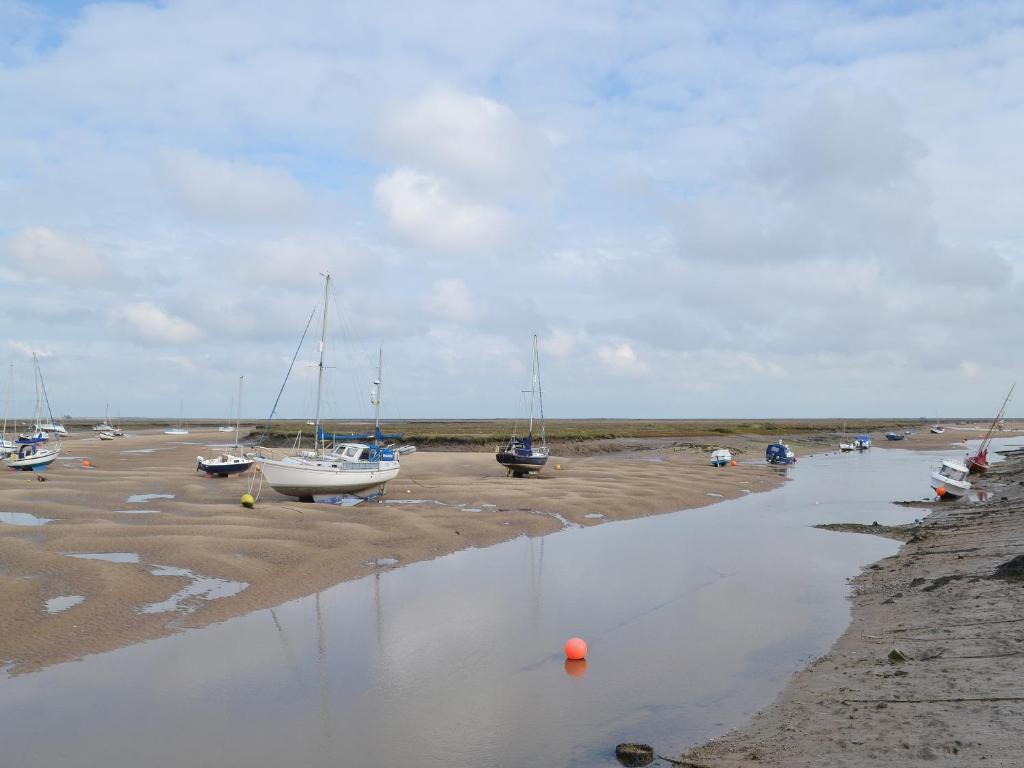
978	463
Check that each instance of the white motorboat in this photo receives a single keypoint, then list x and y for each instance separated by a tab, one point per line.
106	435
721	457
938	429
950	480
225	428
337	464
227	463
862	443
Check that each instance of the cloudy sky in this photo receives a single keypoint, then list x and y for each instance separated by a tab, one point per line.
720	209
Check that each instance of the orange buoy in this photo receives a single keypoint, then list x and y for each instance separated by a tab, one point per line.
940	491
575	667
86	463
575	648
732	463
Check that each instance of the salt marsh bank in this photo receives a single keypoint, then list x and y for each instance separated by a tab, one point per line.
695	620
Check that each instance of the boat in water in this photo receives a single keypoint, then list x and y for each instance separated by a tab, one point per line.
978	462
721	457
779	453
522	456
338	464
32	454
228	463
862	442
950	480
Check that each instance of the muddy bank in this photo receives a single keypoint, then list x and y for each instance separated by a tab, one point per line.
951	606
182	540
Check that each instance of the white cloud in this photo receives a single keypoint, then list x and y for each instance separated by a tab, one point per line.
148	322
235	190
41	252
474	139
429	211
559	343
621	358
26	349
450	299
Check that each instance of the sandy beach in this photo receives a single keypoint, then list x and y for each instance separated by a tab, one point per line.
282	549
948	607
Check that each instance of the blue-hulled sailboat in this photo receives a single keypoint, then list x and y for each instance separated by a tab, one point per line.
521	455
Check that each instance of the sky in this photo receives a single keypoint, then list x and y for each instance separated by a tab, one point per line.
703	209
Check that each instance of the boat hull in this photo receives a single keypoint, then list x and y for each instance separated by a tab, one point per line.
223	469
35	461
953	488
521	464
977	465
304	478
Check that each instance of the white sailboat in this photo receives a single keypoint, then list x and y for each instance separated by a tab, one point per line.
105	426
227	463
31	453
178	430
335	466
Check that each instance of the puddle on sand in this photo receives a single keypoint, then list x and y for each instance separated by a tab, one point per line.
416	501
715	495
23	518
136	511
61	603
201	588
382	562
141	498
717	608
110	557
594	516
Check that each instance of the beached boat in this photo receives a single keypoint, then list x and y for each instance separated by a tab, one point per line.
894	435
978	463
721	457
31	453
105	425
228	463
521	455
862	442
950	480
779	453
938	429
337	464
180	429
106	435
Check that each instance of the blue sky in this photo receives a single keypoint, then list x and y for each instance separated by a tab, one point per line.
703	209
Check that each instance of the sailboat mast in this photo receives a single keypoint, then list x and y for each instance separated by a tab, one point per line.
376	392
320	373
7	398
992	427
533	383
238	413
540	391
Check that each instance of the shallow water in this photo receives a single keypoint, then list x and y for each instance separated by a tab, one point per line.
61	603
141	498
694	621
110	557
185	600
23	518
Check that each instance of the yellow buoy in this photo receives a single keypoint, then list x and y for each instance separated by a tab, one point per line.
248	501
558	466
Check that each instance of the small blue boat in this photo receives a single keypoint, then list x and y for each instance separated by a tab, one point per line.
894	436
779	453
862	443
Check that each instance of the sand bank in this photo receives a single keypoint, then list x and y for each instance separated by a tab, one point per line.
282	549
957	698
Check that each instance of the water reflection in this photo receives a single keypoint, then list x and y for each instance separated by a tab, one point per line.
694	621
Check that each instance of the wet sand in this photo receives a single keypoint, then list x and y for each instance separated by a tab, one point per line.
282	549
956	699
